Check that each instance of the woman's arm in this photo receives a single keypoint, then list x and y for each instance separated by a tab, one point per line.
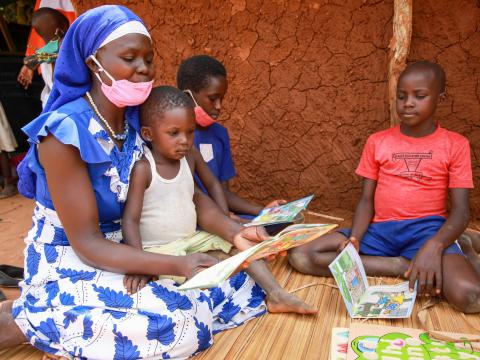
140	179
364	212
75	203
209	181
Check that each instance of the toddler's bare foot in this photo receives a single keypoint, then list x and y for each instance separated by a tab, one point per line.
283	302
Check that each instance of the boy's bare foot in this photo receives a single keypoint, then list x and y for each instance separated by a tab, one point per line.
474	238
10	334
465	242
283	302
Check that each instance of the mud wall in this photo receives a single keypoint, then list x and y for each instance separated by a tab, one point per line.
308	81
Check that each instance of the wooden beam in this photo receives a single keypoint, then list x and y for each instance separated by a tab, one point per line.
6	34
399	48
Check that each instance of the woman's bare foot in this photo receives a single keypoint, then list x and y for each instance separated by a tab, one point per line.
53	357
465	242
283	302
10	334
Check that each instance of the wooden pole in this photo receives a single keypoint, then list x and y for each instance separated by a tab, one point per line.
399	48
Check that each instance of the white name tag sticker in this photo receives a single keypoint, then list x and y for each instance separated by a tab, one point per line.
207	152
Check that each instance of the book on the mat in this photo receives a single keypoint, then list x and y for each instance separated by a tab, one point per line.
339	343
281	214
292	236
388	342
364	301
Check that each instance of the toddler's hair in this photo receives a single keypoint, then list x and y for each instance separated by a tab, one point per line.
161	100
194	73
424	65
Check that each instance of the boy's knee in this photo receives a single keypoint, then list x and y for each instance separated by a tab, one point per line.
299	259
466	297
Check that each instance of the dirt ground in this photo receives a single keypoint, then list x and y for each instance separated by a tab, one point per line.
308	81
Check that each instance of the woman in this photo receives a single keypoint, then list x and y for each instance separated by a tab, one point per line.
73	301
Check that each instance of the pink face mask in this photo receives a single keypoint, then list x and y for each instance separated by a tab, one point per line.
201	116
123	92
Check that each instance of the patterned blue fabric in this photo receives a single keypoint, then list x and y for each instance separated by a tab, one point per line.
70	309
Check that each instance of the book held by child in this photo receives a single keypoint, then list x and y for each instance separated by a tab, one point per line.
292	236
364	301
281	214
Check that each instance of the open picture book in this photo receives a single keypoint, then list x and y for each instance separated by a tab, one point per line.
364	301
292	236
281	214
365	341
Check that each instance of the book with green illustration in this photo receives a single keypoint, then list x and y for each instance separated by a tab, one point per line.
281	214
364	301
387	342
292	236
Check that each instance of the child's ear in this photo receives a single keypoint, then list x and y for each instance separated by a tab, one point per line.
146	133
442	97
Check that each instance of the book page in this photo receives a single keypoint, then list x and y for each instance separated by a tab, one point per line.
292	236
281	214
339	344
286	239
386	301
348	271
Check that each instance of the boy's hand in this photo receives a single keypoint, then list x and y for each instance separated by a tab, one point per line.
134	283
194	263
25	76
351	240
249	237
426	266
274	203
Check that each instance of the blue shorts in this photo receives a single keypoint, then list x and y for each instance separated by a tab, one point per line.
401	237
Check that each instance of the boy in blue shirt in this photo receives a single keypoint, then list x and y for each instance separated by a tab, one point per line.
205	79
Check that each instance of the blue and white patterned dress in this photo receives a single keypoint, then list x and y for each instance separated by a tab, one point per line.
74	310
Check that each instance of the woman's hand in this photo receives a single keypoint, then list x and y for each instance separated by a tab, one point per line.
134	283
194	263
250	236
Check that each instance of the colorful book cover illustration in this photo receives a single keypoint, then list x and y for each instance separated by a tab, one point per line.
388	342
281	214
364	301
339	343
292	236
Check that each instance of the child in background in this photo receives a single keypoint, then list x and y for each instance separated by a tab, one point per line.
160	211
51	25
400	225
205	79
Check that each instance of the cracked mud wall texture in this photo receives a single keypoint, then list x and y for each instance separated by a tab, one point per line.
308	82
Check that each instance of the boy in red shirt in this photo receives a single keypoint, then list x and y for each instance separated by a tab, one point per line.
400	225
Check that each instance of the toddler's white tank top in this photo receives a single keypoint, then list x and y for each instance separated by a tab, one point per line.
168	212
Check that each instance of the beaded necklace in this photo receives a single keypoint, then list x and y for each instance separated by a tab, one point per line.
119	137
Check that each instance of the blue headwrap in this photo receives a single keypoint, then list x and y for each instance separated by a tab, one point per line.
72	76
72	79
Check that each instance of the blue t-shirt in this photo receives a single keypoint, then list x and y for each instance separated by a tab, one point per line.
214	145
